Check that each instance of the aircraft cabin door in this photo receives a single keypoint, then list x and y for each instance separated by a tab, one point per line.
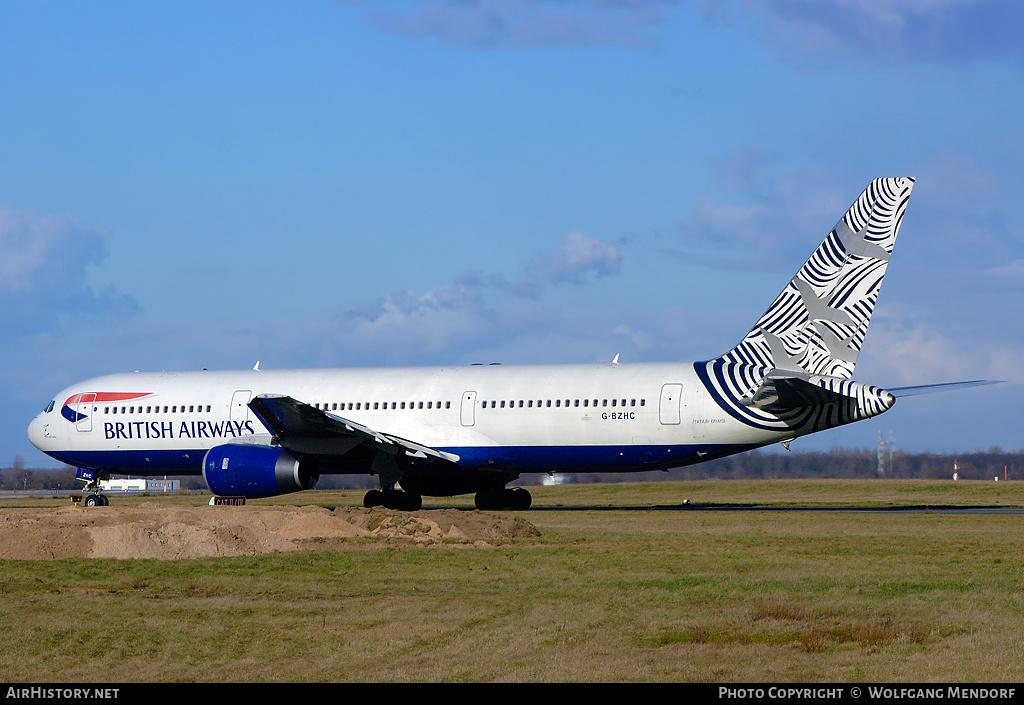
239	411
671	396
85	412
468	408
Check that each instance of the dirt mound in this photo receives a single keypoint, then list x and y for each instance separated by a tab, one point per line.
156	531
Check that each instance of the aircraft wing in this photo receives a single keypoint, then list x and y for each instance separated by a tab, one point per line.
305	429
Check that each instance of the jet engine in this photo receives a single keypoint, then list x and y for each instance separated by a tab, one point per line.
236	470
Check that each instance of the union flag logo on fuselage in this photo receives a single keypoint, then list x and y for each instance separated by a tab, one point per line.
74	408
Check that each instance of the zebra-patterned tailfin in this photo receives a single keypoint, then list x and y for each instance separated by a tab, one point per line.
817	324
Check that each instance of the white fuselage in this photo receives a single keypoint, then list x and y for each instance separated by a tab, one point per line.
628	417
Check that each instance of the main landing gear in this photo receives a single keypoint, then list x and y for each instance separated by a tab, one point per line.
393	498
514	498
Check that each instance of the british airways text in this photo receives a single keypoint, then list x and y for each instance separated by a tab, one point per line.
185	429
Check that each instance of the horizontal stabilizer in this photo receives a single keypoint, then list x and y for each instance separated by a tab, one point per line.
779	393
784	393
932	388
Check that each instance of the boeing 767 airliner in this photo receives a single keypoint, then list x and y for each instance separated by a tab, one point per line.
455	430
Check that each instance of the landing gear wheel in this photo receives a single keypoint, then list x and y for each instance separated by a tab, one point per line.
516	499
520	499
402	500
93	500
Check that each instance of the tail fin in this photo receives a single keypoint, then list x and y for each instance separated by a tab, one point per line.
817	324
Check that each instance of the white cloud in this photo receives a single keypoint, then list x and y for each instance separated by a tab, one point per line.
525	23
43	273
815	33
578	257
44	250
901	351
760	216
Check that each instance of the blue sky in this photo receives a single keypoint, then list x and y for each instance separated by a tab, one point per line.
343	183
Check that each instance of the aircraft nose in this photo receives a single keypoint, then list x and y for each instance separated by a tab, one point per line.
37	432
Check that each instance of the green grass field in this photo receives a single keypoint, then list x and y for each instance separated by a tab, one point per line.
620	586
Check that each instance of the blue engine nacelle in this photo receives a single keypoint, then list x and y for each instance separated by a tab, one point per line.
257	471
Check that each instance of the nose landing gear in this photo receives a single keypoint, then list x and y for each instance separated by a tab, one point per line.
92	494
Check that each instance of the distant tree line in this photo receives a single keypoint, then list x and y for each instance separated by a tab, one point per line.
839	463
18	477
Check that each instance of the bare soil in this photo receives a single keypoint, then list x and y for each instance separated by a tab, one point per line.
167	533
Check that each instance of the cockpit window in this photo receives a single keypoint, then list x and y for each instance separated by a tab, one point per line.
49	407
